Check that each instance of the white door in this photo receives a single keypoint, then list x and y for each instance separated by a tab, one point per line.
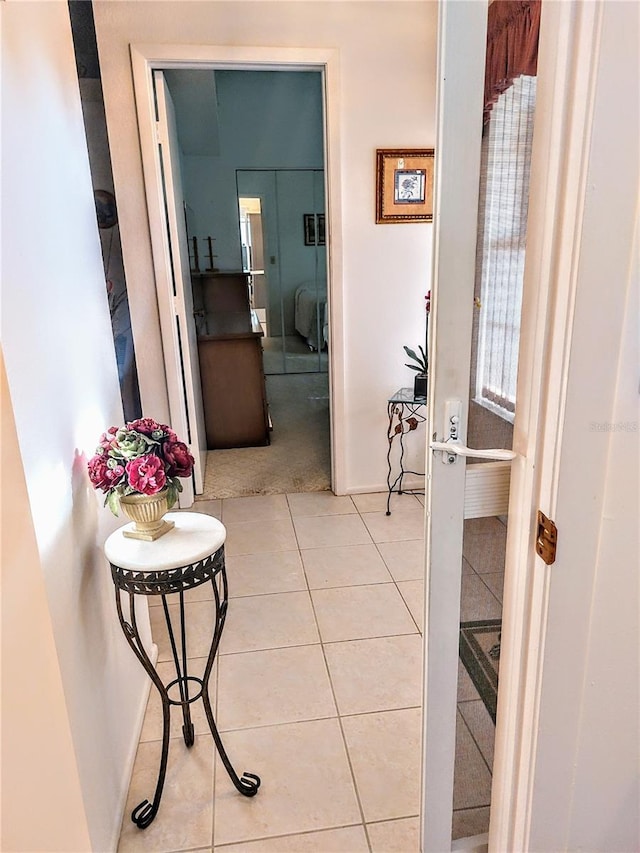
186	400
451	481
462	32
541	793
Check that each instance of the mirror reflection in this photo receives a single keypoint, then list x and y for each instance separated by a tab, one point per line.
282	226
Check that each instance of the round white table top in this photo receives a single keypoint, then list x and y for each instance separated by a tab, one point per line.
194	537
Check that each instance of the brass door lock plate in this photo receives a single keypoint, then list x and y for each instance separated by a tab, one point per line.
547	539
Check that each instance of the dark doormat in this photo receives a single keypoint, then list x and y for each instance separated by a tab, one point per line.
480	654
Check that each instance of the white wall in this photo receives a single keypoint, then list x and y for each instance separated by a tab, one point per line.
39	770
63	384
386	100
585	794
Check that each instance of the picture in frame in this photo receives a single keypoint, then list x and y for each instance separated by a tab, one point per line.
106	211
314	229
404	185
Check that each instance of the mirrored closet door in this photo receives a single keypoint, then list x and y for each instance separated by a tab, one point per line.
283	238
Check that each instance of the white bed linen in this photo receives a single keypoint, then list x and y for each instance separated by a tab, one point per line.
310	304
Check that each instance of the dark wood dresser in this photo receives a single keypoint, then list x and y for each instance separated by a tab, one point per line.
231	369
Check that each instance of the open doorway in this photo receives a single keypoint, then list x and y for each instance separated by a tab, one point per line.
273	248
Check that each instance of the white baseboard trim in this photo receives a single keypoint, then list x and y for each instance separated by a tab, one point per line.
486	489
410	483
472	844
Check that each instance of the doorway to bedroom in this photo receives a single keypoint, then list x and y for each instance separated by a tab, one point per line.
254	201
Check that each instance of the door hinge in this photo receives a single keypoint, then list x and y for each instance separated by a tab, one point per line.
546	539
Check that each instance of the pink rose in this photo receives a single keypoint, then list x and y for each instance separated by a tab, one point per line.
169	432
97	466
152	429
105	473
115	474
146	474
178	459
144	425
108	438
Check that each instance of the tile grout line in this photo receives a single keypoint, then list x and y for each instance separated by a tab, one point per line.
323	645
337	707
346	750
257	726
281	835
477	745
419	630
486	585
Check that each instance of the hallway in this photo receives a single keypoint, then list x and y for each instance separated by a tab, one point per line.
298	459
317	687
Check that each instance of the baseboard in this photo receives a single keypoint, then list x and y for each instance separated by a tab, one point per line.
472	844
486	488
364	490
409	483
127	771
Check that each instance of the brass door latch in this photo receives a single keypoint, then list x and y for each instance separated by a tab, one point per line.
546	539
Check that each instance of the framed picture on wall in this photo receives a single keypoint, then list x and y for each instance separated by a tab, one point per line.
404	185
314	229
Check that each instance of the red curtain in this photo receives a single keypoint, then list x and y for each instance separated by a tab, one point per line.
512	46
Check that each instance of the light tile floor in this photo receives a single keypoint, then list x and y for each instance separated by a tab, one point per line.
317	687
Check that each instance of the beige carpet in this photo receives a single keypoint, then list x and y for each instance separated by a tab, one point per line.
292	356
299	456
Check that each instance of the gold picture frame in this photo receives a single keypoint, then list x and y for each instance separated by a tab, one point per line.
404	185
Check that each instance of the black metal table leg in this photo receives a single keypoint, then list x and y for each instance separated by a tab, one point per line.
390	412
145	812
164	583
396	410
404	409
249	783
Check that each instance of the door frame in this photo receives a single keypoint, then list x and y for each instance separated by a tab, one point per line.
145	59
183	332
566	88
461	32
568	56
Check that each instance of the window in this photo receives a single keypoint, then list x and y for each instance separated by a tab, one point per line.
504	196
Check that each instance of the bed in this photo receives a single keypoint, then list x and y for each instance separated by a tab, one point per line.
311	315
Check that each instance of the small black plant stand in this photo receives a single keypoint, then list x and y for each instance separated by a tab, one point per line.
189	555
404	411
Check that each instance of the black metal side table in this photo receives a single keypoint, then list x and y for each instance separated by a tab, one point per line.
189	555
405	415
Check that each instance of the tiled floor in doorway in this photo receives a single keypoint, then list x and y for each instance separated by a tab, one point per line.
317	686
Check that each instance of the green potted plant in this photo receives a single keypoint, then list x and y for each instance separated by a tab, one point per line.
421	367
421	362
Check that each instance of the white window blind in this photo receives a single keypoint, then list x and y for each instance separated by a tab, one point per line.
504	196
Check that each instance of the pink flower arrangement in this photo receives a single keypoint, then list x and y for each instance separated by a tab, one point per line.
142	458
